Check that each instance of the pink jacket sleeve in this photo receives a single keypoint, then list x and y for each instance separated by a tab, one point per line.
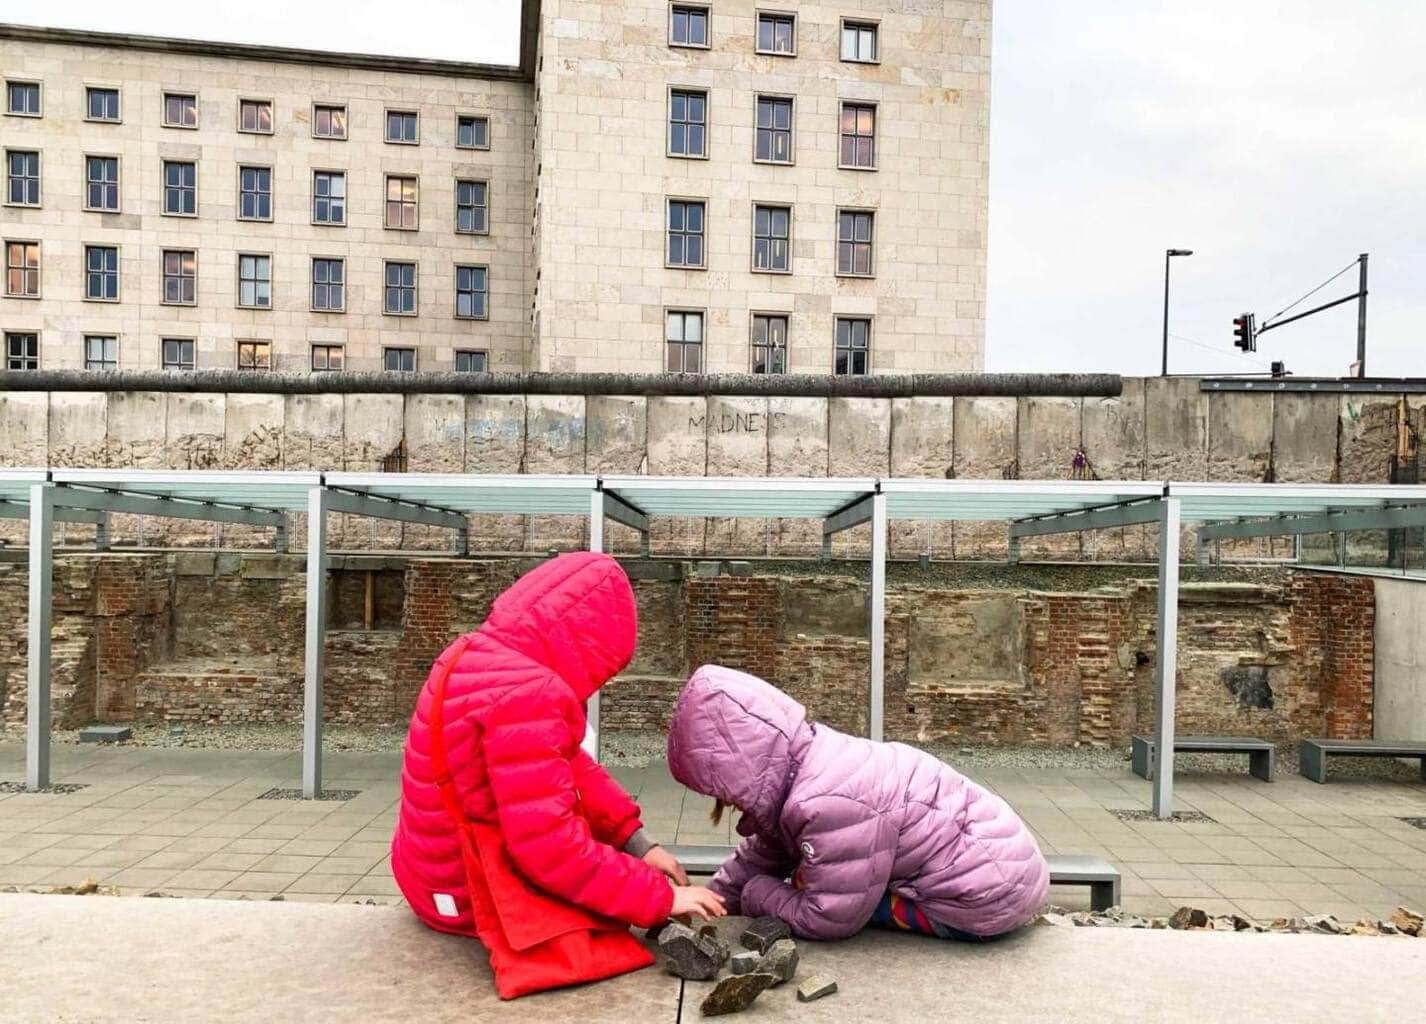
755	857
842	881
613	815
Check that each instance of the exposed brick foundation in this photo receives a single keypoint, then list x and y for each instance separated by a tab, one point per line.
217	638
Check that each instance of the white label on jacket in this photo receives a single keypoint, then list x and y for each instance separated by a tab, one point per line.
446	905
807	850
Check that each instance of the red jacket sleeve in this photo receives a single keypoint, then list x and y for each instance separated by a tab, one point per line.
613	815
529	753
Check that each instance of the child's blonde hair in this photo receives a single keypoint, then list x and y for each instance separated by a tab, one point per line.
716	815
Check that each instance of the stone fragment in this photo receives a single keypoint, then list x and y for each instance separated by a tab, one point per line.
1053	920
687	954
1188	917
105	734
1365	926
1387	928
653	933
1327	924
710	933
86	887
745	962
1242	924
780	961
735	993
816	987
763	932
1408	921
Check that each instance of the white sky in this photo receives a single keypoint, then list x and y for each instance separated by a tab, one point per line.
1276	138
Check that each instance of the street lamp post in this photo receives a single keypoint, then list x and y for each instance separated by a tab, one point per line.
1168	256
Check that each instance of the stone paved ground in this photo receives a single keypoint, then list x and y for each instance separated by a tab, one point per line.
189	822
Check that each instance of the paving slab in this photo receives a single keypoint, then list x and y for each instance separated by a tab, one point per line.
111	959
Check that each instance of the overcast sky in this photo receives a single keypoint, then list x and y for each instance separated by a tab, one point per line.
1276	139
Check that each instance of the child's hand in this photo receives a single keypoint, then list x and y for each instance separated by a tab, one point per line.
697	901
661	860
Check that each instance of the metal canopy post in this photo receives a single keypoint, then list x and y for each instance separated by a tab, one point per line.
878	616
317	506
37	708
596	543
1166	660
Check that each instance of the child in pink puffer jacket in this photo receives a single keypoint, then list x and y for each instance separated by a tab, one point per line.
841	832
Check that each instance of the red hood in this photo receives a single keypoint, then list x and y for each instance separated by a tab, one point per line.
575	615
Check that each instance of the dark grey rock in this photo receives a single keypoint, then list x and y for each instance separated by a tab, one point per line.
763	932
735	993
816	987
1188	917
745	962
687	954
780	961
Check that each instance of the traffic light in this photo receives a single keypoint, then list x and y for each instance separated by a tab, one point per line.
1245	332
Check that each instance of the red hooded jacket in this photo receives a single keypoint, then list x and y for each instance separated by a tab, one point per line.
508	831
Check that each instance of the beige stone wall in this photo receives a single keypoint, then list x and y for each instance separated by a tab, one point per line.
604	177
63	137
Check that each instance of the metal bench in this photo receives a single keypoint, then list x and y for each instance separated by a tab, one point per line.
1098	874
1313	762
1260	752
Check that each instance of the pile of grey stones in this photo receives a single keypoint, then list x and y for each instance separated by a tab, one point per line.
768	959
1404	922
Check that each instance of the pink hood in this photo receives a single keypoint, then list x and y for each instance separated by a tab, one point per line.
846	817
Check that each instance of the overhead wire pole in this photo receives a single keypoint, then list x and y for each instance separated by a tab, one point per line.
1166	663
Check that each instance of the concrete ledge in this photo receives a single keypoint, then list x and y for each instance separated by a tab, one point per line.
185	960
810	385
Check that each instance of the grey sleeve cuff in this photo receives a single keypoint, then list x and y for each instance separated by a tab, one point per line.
639	844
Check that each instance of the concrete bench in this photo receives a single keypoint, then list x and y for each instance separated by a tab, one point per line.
1314	753
1098	874
1260	752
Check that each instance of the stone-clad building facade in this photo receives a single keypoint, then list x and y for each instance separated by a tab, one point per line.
713	186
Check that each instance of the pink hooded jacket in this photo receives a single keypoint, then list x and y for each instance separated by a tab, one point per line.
850	817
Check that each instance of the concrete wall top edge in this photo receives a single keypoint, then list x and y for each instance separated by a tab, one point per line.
1100	385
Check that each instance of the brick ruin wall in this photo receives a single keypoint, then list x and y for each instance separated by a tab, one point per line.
217	638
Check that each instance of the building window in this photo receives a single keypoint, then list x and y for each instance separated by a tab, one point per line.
329	197
254	355
401	202
683	336
180	110
472	207
854	230
859	42
329	121
255	116
180	277
22	270
22	99
769	343
470	361
254	193
773	143
688	123
177	353
101	183
399	360
858	136
101	104
101	352
22	177
772	229
688	26
402	127
328	285
776	34
853	346
22	351
254	281
328	357
472	293
685	233
101	273
400	289
180	188
472	132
